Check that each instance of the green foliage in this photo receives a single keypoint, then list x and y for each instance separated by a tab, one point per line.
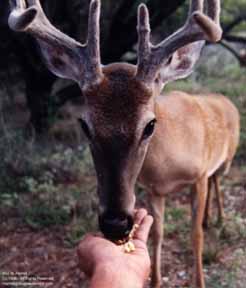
176	221
40	215
8	151
175	214
232	276
232	9
79	228
8	199
48	186
227	281
233	230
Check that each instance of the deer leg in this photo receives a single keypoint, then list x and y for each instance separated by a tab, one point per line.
157	205
199	196
219	199
208	209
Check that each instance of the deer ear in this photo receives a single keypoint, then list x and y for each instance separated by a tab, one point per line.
60	61
181	63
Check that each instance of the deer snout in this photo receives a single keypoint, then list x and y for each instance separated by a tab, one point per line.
115	227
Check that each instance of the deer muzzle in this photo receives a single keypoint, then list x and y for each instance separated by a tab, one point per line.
115	227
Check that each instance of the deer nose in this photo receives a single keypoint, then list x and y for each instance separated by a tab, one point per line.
115	227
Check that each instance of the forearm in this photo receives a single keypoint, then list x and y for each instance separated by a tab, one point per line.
105	277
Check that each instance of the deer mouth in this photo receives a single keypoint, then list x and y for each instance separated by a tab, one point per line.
116	228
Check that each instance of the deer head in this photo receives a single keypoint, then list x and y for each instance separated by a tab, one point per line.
118	116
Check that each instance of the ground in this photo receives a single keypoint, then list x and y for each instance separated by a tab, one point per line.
48	253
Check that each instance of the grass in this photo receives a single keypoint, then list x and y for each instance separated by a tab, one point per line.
45	187
231	275
175	213
224	247
175	221
41	216
233	229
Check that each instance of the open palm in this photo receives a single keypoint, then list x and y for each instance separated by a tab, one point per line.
95	251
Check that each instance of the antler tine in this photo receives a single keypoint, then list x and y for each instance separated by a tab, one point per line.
94	34
196	5
21	17
197	27
143	37
21	4
28	16
214	11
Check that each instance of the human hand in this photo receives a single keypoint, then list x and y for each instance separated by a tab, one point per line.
105	262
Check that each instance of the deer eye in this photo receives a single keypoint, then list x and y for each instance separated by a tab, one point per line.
149	129
85	128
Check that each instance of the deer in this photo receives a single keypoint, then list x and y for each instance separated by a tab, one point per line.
219	197
135	133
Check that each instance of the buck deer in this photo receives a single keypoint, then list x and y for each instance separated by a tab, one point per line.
167	142
214	180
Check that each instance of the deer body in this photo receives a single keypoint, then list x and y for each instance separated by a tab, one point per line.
195	136
133	132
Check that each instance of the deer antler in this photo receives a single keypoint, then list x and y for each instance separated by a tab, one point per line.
197	27
64	56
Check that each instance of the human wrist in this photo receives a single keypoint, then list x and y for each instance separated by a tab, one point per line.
106	275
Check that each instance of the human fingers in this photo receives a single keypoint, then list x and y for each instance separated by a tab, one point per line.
142	233
85	261
139	216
